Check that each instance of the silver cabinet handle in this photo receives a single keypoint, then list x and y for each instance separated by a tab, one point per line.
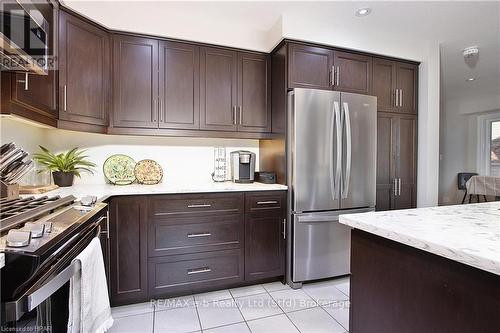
65	97
395	186
107	223
348	135
203	234
25	81
199	206
241	115
284	228
270	202
396	103
160	107
198	270
399	186
234	114
338	75
155	108
401	97
332	76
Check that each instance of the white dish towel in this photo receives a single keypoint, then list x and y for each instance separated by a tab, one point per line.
89	310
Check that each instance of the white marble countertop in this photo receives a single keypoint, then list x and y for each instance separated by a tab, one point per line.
469	234
104	191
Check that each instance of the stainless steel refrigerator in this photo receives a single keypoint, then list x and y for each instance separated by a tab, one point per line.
331	146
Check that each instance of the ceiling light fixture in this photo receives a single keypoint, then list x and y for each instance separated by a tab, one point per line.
470	79
363	12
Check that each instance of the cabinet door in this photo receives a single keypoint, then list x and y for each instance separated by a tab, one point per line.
407	82
254	93
84	71
406	162
264	236
128	235
309	67
352	72
386	156
135	82
384	84
38	94
218	89
179	85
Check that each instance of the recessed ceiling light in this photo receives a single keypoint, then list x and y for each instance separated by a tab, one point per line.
363	12
470	79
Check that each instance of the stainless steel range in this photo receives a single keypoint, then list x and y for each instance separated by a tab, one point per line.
40	237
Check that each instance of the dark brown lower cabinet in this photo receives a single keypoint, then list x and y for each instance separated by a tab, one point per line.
128	236
264	236
189	273
168	245
398	288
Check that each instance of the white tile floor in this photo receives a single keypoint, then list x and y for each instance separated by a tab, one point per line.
263	308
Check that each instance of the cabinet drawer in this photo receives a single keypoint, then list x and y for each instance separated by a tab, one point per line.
196	204
192	272
265	201
177	235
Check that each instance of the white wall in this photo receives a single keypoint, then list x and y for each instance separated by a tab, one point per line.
182	159
24	134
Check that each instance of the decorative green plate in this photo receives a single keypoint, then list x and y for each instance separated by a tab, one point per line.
119	169
148	172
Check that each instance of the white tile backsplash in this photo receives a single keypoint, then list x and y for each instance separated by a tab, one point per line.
182	159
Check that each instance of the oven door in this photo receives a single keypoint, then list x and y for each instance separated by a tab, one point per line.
44	306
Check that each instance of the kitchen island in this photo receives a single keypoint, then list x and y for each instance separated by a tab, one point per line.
426	270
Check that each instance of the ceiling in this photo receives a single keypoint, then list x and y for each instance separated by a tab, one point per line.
399	29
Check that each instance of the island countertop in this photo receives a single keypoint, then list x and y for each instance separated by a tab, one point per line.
469	234
105	191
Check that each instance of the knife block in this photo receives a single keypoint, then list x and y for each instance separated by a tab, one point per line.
9	191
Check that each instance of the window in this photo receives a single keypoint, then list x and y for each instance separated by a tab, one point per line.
488	149
494	143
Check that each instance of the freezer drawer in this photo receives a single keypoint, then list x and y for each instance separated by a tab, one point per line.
321	245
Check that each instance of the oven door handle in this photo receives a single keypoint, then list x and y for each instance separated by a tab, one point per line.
38	296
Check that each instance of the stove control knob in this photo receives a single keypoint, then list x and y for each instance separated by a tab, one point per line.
18	238
37	229
48	227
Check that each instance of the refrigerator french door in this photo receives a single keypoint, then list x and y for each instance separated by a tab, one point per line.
332	169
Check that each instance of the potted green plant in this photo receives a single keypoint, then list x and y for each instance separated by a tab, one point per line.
64	166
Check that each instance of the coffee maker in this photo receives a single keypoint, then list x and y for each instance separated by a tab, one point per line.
242	166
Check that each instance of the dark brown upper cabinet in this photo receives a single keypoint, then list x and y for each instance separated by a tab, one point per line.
84	71
352	73
135	82
384	84
179	86
218	89
30	96
395	85
396	161
322	68
407	85
309	67
254	93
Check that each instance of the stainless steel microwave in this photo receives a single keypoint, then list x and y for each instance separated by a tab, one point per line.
24	37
